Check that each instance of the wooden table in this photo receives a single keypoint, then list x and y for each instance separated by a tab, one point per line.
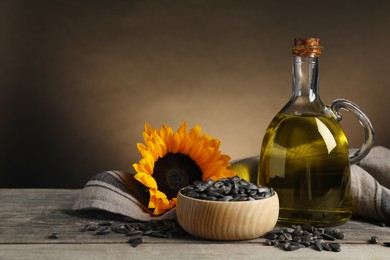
29	216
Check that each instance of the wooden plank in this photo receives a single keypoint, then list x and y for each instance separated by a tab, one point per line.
28	216
187	251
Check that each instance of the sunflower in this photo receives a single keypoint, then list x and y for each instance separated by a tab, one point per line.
172	160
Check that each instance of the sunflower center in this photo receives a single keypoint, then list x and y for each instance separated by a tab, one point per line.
175	171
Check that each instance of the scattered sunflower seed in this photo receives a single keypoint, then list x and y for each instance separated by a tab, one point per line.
54	235
158	234
134	233
290	247
103	231
318	245
106	223
326	246
135	241
121	229
135	230
168	234
90	227
373	240
328	237
335	247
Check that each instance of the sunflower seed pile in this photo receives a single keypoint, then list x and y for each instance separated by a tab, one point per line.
136	230
297	236
227	189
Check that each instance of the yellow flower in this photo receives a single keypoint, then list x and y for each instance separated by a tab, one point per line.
172	160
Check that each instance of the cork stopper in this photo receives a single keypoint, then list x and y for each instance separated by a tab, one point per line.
307	47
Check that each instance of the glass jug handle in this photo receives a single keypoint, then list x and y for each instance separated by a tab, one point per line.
345	104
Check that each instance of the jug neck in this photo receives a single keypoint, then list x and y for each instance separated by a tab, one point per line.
305	97
305	81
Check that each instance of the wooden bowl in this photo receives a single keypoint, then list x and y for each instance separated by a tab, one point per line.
220	220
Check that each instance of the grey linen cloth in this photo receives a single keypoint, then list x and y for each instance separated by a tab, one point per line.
118	192
370	185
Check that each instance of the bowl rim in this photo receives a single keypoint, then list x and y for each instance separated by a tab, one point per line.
224	202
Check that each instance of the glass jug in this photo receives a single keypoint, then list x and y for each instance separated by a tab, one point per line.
304	155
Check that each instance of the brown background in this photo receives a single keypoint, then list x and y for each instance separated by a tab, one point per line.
80	78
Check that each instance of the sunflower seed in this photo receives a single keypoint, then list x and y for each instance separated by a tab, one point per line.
387	244
296	239
211	198
326	246
288	230
192	194
202	188
235	178
121	229
197	183
106	223
202	196
143	226
147	232
218	184
306	238
252	187
307	227
271	236
213	194
298	231
225	198
288	236
134	233
336	233
335	247
158	234
328	237
318	245
282	238
103	231
54	235
307	243
169	234
290	247
167	224
373	240
135	241
339	235
92	226
188	188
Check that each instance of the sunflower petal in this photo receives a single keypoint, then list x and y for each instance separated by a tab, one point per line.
146	164
141	148
146	180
